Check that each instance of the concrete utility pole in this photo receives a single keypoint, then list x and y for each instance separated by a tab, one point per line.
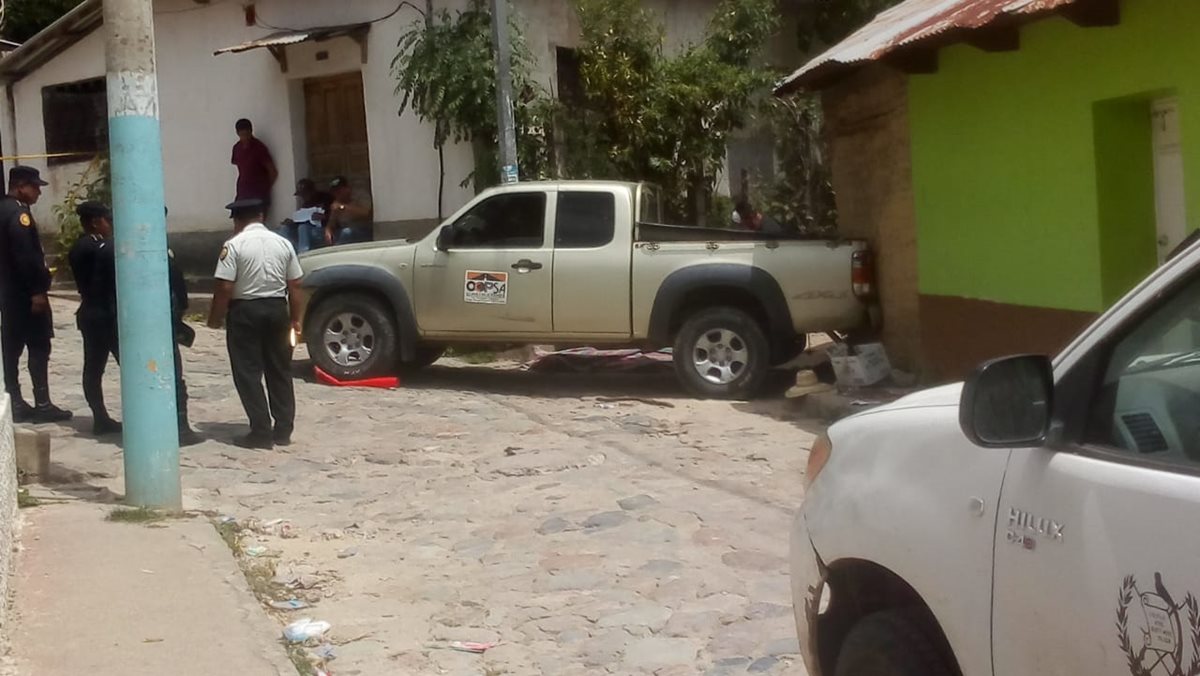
509	171
144	308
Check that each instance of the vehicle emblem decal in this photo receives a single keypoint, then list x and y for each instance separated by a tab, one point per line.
1152	630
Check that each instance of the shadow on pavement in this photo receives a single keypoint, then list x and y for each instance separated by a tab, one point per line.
496	380
222	432
81	427
66	481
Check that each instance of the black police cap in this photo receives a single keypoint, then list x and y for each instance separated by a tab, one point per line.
241	208
21	175
92	209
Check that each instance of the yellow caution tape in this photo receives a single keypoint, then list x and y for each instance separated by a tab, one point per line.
41	156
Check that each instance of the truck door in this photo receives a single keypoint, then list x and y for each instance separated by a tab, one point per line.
593	240
495	276
1096	552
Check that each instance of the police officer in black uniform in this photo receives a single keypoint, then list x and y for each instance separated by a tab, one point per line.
93	265
93	262
25	321
258	282
186	336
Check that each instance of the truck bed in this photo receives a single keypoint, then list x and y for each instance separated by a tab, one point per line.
662	232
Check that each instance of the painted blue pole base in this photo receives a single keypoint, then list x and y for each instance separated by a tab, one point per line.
144	314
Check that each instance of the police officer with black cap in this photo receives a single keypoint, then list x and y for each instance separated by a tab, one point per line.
93	265
25	321
258	282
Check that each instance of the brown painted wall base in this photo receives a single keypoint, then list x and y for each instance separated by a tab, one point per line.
959	333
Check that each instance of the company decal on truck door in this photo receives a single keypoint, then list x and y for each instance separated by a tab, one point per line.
488	288
1153	630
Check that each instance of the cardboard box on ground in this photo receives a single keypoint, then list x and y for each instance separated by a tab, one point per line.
859	365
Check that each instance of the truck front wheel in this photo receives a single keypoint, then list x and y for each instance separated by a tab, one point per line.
721	353
351	336
890	643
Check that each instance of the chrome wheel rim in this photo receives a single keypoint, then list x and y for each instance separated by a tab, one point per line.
720	356
349	339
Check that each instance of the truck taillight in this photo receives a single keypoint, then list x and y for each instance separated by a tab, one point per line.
862	273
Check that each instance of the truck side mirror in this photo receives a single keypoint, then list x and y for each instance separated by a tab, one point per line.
445	238
1008	403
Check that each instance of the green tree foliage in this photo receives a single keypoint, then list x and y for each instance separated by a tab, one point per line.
95	183
801	193
826	22
24	18
445	73
665	118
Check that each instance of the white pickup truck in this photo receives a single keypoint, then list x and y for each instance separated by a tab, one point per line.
583	263
1036	520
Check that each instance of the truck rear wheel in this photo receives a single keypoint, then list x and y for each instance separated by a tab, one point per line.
890	643
721	353
351	336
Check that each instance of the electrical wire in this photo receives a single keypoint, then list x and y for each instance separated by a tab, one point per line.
185	10
263	24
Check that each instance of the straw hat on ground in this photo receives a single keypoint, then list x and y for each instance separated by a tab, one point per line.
807	383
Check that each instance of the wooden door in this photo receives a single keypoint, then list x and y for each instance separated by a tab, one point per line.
336	127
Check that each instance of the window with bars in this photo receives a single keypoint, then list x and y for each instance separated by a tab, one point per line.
75	117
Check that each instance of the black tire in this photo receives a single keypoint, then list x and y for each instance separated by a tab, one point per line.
706	328
891	643
366	323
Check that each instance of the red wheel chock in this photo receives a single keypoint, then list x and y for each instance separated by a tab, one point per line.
385	383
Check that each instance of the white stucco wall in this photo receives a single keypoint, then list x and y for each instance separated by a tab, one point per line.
201	95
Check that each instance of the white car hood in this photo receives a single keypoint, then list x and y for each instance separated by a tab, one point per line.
946	395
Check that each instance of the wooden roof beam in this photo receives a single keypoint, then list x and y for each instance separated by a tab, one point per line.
280	54
998	39
914	61
1093	13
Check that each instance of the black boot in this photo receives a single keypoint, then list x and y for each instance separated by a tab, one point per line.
104	425
187	435
22	412
262	442
49	413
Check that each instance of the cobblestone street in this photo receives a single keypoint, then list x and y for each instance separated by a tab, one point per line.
585	533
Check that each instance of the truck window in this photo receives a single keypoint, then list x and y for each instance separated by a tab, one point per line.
585	220
508	221
1149	394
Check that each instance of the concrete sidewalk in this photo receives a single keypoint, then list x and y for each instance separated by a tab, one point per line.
96	597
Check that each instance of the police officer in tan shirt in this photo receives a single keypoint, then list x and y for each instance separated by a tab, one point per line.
258	281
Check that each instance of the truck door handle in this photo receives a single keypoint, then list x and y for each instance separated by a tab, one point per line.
525	265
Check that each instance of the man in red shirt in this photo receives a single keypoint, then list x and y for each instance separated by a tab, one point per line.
256	169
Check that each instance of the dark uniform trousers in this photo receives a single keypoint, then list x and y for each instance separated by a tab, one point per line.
99	341
181	391
257	337
21	329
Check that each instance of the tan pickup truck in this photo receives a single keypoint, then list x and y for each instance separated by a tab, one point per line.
583	263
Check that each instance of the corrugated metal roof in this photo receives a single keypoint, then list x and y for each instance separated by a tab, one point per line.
912	22
293	37
51	41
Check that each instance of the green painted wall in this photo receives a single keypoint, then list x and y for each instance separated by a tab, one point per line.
1032	170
